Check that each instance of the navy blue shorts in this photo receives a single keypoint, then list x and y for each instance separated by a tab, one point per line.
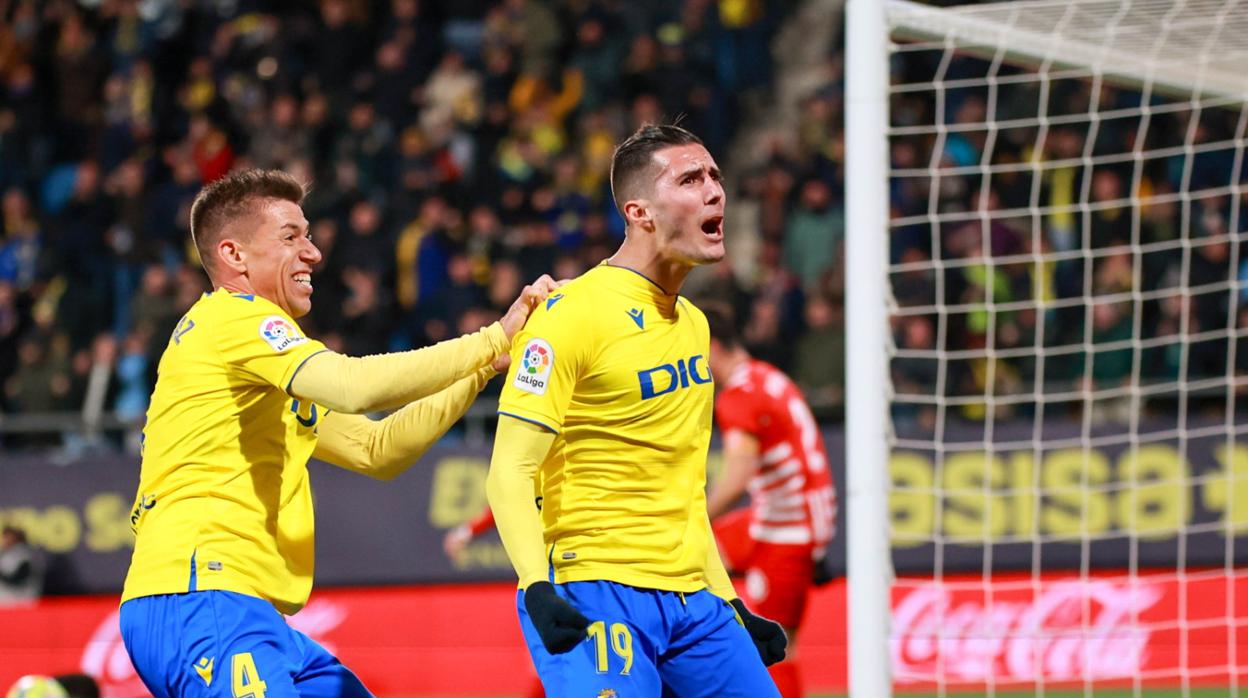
645	643
219	643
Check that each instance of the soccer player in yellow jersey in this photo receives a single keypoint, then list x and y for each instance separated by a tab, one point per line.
609	398
223	514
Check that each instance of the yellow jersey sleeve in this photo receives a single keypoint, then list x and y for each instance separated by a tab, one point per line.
548	357
262	342
384	449
519	449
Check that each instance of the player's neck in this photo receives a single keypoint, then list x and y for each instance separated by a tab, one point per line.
237	284
669	275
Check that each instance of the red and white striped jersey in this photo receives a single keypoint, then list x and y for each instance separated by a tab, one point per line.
792	500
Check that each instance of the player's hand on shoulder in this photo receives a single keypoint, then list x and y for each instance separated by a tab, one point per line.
530	296
767	635
557	622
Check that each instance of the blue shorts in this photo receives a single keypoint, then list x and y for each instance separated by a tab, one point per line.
645	643
219	643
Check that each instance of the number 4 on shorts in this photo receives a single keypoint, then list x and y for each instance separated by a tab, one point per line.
246	680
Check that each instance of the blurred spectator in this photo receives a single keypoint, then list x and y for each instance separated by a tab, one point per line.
21	568
22	243
457	296
78	71
154	312
365	244
819	358
133	388
364	312
126	238
505	284
40	381
169	208
365	145
79	232
538	250
340	28
278	136
453	94
915	371
813	234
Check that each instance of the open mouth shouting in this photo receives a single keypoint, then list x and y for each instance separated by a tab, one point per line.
713	228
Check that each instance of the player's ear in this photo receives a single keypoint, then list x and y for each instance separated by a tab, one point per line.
637	213
231	255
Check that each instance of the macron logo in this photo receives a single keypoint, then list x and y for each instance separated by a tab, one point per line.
204	668
637	316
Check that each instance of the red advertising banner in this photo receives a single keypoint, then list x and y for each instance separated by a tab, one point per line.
436	640
1156	628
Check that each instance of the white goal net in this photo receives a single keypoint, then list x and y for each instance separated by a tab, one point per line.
1069	358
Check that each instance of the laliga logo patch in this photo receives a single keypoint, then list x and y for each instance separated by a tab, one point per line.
280	333
533	374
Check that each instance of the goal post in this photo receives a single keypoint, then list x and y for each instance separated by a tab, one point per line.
1047	366
868	563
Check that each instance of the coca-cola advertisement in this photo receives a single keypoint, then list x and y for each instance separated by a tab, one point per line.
1102	629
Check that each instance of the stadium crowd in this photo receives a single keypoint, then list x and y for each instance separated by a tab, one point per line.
456	148
1087	301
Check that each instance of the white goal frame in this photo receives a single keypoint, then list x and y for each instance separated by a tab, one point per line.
1154	50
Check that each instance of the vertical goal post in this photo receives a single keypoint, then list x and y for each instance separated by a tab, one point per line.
1065	181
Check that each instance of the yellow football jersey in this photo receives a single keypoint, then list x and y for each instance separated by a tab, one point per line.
617	368
223	500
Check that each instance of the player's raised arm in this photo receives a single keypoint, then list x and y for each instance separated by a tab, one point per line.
366	384
386	448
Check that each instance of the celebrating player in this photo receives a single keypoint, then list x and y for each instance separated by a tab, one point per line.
223	515
773	448
609	395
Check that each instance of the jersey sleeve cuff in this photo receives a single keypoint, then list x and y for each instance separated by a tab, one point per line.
531	420
497	338
317	349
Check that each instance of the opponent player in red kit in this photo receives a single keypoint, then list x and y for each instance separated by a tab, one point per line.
772	449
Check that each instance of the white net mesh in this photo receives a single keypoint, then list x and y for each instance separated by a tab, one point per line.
1070	369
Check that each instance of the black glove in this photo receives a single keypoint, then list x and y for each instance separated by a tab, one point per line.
767	635
560	626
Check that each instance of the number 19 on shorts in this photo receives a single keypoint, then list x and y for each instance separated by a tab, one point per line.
621	640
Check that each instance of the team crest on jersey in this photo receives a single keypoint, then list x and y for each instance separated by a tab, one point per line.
533	374
280	333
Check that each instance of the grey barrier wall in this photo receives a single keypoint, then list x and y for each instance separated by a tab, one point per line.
1162	498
